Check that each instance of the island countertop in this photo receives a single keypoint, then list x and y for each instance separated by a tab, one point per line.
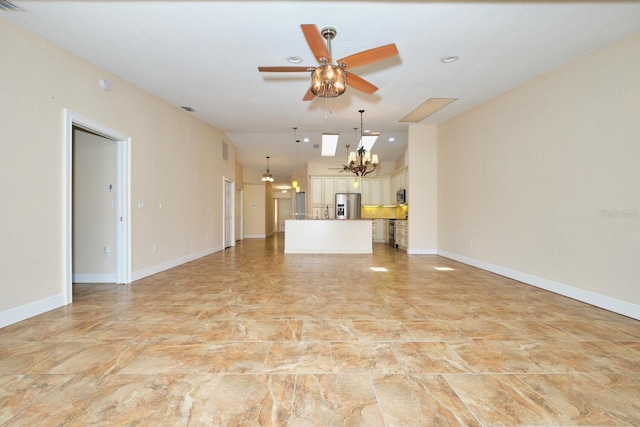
328	236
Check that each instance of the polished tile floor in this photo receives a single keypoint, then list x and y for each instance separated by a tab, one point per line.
250	336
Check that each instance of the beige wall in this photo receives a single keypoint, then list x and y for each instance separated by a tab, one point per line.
422	185
239	173
254	209
544	180
175	159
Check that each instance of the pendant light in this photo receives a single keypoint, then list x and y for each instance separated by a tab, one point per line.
267	177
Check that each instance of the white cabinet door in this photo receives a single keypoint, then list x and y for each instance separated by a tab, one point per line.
385	191
365	187
316	191
378	230
329	191
342	185
376	188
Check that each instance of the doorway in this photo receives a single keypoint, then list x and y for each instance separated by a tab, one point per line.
283	213
229	207
121	200
238	215
94	208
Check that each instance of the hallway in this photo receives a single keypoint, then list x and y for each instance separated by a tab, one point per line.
251	336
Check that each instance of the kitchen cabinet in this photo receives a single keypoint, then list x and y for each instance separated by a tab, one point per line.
348	184
399	181
322	191
402	234
378	230
365	188
385	191
377	191
386	226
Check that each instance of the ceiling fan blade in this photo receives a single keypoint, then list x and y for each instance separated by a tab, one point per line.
316	42
360	84
283	69
308	96
369	56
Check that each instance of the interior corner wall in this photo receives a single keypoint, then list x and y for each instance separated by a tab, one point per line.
422	189
176	160
542	183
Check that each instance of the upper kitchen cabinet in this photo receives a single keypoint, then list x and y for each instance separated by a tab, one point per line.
399	181
377	191
322	190
348	184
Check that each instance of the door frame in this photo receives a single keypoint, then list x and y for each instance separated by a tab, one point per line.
123	200
238	214
231	185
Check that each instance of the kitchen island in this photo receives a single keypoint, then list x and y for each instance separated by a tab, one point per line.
328	236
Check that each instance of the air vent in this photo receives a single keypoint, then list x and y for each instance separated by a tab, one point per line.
189	109
6	6
225	151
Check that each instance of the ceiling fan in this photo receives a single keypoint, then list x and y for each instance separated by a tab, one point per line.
330	80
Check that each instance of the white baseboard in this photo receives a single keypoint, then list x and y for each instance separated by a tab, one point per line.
94	278
155	269
32	309
411	251
598	300
255	236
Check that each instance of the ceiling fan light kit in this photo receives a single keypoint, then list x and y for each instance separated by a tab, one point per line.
328	81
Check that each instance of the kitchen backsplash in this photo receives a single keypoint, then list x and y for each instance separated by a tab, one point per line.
384	212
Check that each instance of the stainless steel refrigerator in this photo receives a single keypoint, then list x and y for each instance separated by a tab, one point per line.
347	205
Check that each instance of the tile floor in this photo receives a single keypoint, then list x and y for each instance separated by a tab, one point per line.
250	336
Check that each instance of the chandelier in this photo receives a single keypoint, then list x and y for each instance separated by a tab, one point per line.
267	177
361	162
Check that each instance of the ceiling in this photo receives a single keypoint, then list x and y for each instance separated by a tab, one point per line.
205	54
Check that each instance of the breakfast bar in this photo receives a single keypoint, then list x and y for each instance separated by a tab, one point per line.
332	236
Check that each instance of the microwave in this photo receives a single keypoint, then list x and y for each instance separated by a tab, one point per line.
401	197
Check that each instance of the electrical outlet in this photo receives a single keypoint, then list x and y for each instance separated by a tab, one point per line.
106	253
155	248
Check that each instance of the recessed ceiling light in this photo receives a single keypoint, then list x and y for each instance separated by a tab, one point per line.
306	140
392	139
294	59
448	59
